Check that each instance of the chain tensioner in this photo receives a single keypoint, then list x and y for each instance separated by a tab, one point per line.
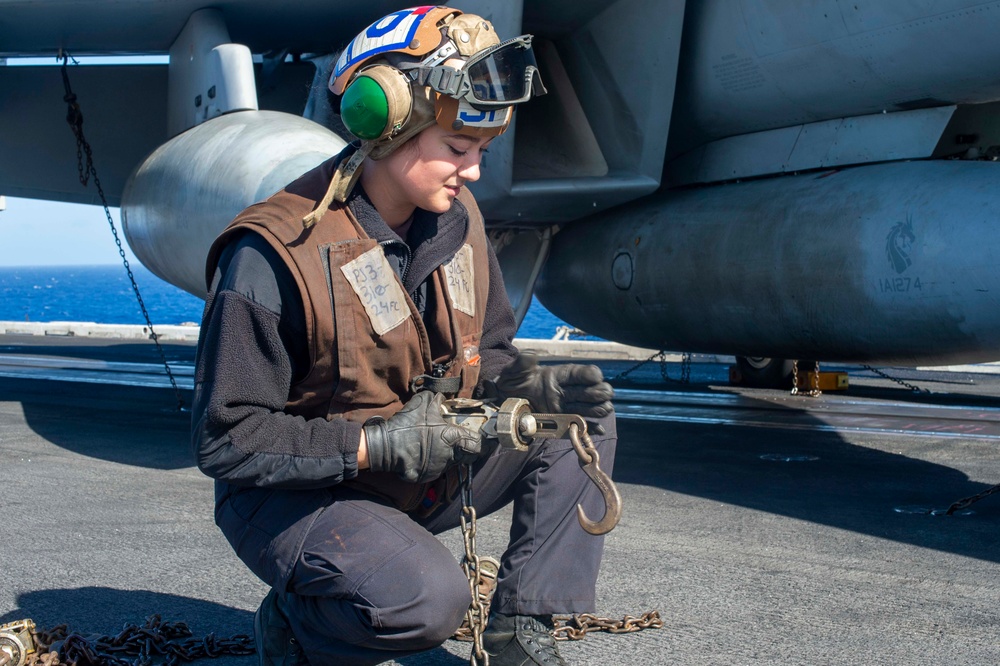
515	426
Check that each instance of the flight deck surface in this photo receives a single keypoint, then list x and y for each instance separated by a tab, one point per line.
765	528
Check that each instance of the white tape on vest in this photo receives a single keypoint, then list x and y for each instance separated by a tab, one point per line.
461	280
378	289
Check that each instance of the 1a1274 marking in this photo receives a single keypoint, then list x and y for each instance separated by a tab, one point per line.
899	285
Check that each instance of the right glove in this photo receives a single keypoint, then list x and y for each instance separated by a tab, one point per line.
417	443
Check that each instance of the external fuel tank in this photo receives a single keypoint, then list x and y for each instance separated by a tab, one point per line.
178	200
893	263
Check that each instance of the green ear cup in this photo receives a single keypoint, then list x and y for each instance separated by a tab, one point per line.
364	109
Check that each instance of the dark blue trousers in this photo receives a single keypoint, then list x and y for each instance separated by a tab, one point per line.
366	583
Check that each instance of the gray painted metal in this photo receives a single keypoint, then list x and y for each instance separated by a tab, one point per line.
124	114
209	75
883	263
189	189
521	254
125	119
752	65
151	26
601	131
881	137
599	140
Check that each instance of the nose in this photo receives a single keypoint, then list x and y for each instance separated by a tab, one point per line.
469	170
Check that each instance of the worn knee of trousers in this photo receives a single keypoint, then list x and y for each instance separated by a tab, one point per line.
413	603
442	610
423	602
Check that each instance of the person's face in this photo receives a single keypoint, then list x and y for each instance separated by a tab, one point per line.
429	172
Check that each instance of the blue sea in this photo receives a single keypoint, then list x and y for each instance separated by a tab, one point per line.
103	294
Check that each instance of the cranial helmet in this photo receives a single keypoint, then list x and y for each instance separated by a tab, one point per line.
419	66
426	64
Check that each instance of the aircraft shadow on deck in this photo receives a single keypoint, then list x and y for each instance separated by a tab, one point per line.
76	608
129	425
849	487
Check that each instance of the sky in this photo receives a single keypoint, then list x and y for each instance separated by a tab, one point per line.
45	233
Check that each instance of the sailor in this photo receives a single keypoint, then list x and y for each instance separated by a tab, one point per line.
342	311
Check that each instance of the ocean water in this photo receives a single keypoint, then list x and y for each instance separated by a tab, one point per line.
103	294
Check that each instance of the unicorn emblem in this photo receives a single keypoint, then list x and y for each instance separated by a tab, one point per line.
898	244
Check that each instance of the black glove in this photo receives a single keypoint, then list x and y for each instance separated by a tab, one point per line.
570	388
417	443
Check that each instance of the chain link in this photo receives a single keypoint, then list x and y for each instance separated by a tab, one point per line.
576	627
813	391
573	627
477	615
662	357
912	387
87	170
168	643
969	501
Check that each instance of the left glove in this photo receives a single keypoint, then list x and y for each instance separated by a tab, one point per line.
570	388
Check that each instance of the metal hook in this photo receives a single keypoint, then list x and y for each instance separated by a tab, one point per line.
590	462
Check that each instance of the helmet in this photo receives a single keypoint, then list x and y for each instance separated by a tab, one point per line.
394	81
398	77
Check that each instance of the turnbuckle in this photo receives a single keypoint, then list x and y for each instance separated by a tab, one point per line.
515	426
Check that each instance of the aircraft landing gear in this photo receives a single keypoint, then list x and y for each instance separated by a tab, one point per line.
764	372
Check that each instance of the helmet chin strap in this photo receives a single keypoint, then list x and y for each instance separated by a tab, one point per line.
349	170
344	178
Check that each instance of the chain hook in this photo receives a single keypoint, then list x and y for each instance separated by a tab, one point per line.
590	462
73	115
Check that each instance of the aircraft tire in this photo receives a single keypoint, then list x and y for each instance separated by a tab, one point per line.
763	372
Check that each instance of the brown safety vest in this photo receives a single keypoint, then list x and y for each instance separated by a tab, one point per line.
367	341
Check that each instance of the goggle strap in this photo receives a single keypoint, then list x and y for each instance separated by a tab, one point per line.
535	85
443	79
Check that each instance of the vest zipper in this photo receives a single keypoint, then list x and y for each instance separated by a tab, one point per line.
417	320
409	258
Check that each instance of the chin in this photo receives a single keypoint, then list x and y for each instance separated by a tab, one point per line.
442	205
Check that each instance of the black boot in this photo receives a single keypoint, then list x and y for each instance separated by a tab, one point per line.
276	646
520	640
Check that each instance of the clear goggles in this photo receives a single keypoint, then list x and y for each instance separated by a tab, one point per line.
502	75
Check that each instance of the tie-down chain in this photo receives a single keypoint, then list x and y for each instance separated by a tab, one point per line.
158	641
514	426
